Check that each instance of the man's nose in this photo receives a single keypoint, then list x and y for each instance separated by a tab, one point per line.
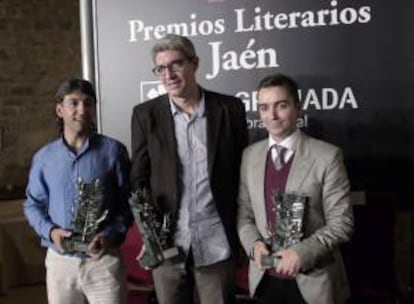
275	113
169	73
82	106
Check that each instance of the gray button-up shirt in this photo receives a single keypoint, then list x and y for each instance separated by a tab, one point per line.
199	225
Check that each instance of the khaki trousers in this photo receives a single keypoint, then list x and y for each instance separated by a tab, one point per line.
85	280
175	283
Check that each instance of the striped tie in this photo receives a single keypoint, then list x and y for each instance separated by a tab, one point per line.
280	157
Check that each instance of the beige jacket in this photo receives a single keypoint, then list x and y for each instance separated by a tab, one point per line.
318	172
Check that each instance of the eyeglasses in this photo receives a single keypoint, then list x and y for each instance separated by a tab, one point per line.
174	66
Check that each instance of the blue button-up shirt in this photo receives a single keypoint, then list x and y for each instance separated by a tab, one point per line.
51	191
199	225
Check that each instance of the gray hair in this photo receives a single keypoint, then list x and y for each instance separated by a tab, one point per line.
176	43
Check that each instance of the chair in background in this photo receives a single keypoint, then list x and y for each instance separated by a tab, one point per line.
140	283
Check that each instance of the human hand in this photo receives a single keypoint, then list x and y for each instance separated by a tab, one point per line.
57	235
98	245
141	253
260	249
289	262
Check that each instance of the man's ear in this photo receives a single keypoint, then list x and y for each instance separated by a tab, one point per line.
196	62
58	110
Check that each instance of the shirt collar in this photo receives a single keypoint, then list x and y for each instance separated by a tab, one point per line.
88	142
288	142
200	110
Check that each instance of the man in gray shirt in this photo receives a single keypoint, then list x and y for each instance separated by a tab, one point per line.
186	147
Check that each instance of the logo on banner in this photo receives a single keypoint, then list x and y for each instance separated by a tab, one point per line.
150	90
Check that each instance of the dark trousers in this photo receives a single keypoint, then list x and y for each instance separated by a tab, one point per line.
175	282
272	290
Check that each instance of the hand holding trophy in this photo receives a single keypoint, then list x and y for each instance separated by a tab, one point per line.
154	233
288	230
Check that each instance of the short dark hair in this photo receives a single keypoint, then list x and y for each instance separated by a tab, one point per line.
75	85
176	43
280	80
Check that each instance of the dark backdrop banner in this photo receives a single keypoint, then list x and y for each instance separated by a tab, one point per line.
354	62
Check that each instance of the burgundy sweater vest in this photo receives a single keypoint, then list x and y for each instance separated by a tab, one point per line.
275	180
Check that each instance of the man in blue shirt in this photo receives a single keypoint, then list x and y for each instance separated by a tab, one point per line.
80	154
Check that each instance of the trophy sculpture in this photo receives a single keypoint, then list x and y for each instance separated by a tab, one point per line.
89	215
154	233
290	210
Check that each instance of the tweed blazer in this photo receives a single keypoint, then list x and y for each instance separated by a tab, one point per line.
318	172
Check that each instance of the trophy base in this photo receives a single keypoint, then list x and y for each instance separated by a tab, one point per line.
170	253
71	246
269	261
151	261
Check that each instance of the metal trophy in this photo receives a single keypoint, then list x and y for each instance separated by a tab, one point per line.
154	233
290	211
87	218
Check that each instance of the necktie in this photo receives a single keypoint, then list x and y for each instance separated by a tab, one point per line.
280	157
